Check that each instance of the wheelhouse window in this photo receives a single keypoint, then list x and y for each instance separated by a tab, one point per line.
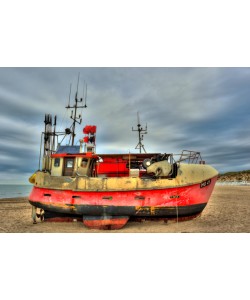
57	162
84	163
69	164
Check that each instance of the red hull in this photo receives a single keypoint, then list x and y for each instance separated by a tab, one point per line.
169	202
179	196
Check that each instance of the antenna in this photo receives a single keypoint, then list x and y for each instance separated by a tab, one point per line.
138	118
69	95
77	85
76	118
86	96
140	130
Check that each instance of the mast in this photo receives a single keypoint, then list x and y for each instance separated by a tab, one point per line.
76	118
140	130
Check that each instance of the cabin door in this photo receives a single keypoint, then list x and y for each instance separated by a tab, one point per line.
68	166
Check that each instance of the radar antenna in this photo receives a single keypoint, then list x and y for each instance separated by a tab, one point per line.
76	118
140	130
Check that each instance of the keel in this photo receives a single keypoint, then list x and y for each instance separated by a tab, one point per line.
105	222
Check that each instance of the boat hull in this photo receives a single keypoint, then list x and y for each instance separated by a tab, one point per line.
181	201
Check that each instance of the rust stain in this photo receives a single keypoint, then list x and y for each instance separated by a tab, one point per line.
139	209
152	210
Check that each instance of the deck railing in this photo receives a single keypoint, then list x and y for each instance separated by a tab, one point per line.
191	157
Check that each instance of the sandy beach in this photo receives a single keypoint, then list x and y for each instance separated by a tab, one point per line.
228	211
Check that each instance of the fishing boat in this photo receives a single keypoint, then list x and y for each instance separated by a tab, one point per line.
105	191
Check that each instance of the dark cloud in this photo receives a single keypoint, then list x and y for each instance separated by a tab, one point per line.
203	109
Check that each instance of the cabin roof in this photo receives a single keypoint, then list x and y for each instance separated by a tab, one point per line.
68	149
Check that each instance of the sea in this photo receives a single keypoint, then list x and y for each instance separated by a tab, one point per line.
14	190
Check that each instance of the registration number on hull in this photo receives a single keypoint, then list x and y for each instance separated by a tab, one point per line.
205	183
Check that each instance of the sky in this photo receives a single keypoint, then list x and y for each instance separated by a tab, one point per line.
200	109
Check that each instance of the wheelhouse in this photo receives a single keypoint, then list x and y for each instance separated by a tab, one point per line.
101	165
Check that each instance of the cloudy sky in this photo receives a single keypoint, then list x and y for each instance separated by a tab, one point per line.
202	109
